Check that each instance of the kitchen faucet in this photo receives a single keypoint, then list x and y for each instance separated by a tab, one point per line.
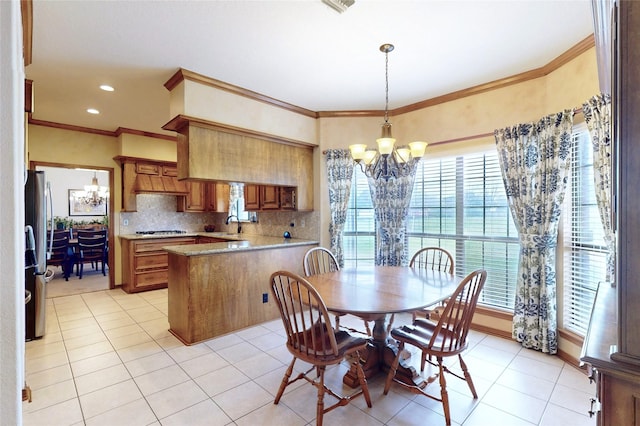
237	218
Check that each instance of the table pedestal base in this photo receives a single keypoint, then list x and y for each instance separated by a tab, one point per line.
379	357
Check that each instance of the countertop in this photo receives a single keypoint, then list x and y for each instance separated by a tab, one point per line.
236	242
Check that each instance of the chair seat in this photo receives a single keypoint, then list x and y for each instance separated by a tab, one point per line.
420	334
346	342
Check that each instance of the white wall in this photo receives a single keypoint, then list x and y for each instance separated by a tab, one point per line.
63	179
12	160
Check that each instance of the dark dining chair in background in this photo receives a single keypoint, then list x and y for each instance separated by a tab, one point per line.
447	337
312	339
60	253
91	248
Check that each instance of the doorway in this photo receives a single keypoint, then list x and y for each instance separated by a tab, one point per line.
67	180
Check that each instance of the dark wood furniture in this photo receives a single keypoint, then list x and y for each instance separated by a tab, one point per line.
612	344
60	252
372	292
312	339
90	247
446	338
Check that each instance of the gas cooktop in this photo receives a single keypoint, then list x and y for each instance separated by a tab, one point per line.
161	232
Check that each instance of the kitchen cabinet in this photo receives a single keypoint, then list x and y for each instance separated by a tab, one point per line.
145	263
269	198
140	175
214	294
287	198
252	197
207	151
204	197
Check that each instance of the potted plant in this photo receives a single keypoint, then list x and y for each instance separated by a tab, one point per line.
60	222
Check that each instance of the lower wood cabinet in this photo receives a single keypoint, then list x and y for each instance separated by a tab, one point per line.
145	263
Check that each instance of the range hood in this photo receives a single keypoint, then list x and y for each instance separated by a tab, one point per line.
149	184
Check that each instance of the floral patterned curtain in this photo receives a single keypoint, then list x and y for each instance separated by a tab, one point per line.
391	200
597	114
339	174
535	161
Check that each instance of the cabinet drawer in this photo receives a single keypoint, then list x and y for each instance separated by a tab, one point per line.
147	169
156	245
171	171
144	279
151	261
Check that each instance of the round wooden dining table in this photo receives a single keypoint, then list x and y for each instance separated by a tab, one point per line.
372	292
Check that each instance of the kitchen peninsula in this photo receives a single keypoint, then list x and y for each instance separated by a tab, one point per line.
220	287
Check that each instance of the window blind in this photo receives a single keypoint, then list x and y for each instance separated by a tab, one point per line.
584	247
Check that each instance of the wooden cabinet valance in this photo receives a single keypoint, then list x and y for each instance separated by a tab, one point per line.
140	175
208	151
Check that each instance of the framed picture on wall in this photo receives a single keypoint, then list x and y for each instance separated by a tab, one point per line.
80	206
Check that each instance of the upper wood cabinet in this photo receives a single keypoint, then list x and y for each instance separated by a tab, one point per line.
204	197
210	151
251	197
269	197
140	175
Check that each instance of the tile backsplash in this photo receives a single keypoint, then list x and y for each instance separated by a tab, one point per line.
158	212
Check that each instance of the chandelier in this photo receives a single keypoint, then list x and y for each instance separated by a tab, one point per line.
94	195
387	161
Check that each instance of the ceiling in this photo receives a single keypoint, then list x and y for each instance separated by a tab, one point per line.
299	51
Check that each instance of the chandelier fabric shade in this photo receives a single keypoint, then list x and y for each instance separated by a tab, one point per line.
94	195
388	160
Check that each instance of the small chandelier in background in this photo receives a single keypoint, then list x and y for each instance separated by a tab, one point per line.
94	194
388	161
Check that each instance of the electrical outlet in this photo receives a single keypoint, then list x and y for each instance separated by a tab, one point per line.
265	297
125	222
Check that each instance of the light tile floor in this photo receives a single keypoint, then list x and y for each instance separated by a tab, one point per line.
108	359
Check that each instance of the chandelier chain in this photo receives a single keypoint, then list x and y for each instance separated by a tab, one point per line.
386	88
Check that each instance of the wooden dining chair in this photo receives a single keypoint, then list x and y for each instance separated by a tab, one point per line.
91	249
312	339
446	338
319	260
435	259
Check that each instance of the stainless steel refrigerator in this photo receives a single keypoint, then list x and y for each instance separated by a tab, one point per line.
35	218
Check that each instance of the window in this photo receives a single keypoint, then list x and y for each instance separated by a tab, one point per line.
236	204
584	247
458	203
359	232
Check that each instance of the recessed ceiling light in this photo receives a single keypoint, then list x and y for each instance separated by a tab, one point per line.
93	111
106	88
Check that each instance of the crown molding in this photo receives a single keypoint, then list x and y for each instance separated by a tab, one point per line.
119	131
26	10
183	74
